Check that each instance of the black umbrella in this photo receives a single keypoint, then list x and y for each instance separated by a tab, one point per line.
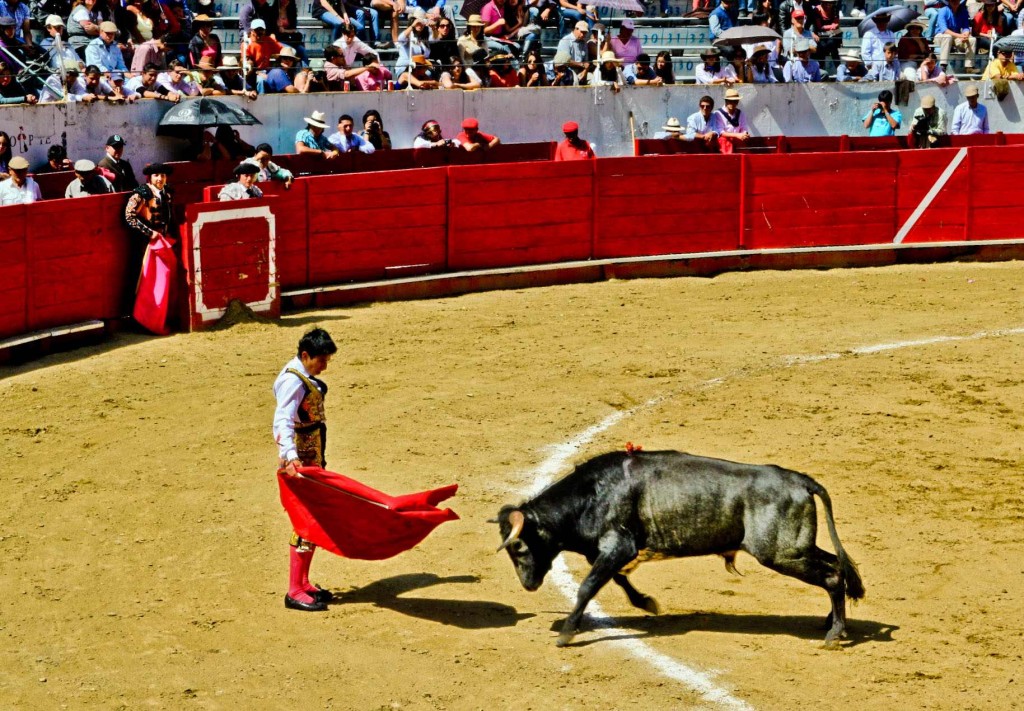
1012	43
899	16
472	7
203	113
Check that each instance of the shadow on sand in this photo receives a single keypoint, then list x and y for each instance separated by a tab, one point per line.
467	614
799	626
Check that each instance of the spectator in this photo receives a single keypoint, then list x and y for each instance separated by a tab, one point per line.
19	188
720	18
671	130
929	71
626	45
712	71
419	75
698	124
969	117
828	34
147	87
268	169
574	13
149	19
5	155
953	30
988	25
87	181
430	136
532	72
573	48
114	164
761	71
887	70
312	139
413	41
53	45
333	18
153	52
121	94
502	75
204	43
337	71
609	72
641	73
244	187
573	147
281	79
83	24
206	77
104	51
258	11
913	48
767	15
663	67
96	87
352	48
1002	67
234	83
384	9
473	139
22	15
345	141
774	47
10	45
852	69
445	45
373	76
496	28
56	160
802	69
228	145
459	76
738	60
71	89
176	80
373	130
729	123
11	90
287	29
788	7
797	31
261	47
883	119
472	41
928	124
872	46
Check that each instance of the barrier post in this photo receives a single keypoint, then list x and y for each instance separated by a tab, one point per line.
744	187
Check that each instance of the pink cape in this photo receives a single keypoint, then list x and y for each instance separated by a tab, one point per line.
354	521
153	296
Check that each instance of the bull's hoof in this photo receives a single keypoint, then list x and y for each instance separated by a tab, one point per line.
564	639
651	606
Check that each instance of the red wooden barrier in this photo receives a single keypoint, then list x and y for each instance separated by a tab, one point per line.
53	185
944	218
989	214
14	271
667	205
371	225
517	214
819	199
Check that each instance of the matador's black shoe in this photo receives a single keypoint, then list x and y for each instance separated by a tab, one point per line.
321	595
293	604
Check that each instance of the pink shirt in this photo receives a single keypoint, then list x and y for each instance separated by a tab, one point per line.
628	51
373	81
491	14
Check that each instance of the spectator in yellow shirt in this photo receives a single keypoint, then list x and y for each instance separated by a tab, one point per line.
1002	67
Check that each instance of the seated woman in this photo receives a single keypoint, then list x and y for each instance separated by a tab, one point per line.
532	72
988	25
459	76
373	131
912	49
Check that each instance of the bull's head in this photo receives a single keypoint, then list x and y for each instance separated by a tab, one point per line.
525	545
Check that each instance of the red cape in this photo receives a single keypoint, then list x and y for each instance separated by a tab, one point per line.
153	295
355	521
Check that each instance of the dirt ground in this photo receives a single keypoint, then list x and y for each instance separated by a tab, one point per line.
144	548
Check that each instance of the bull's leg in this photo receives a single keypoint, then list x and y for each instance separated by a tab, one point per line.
615	551
636	598
819	568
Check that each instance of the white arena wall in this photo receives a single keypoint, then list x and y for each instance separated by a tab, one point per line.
516	115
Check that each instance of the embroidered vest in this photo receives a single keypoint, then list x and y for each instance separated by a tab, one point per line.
311	430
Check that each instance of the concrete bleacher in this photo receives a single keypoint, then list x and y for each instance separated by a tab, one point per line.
684	37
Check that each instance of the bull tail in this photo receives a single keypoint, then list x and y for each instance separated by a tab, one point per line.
854	585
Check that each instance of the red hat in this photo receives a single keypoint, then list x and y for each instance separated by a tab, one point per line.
570	127
799	13
470	123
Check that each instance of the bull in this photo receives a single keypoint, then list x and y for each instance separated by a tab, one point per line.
623	508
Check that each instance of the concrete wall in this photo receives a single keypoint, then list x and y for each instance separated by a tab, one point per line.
516	115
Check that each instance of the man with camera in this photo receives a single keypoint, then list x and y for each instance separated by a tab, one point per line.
929	123
883	119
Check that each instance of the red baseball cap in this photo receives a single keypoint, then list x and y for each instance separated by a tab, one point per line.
799	13
570	127
470	123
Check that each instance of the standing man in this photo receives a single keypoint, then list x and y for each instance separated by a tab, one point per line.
124	175
883	119
970	117
573	147
300	430
245	187
928	124
19	189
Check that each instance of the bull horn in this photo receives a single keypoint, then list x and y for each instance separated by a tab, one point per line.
517	520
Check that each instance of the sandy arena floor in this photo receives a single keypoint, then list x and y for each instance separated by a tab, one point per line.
145	551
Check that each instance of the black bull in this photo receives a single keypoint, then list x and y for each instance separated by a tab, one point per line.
621	509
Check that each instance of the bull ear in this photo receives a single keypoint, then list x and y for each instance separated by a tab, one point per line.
517	520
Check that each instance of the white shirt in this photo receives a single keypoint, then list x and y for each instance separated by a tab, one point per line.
289	391
352	50
703	76
11	194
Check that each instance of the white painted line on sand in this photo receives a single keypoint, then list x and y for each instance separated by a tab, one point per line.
561	455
